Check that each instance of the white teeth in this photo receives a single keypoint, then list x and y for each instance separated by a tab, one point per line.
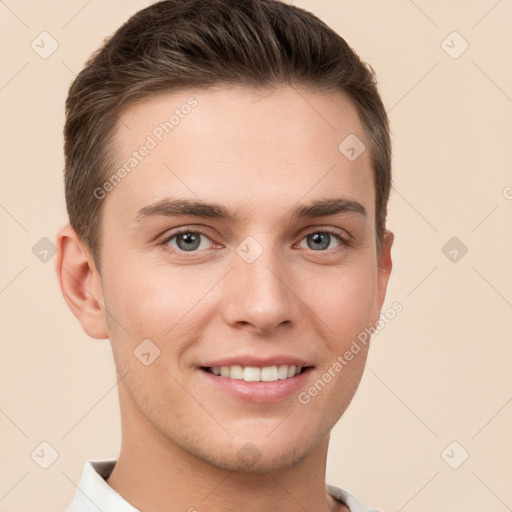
251	374
282	372
269	373
255	374
236	372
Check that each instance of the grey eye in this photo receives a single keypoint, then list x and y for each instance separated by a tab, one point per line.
188	241
319	240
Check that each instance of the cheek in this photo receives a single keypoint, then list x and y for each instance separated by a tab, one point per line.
344	301
157	302
149	297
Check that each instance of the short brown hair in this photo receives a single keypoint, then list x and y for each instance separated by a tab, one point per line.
178	44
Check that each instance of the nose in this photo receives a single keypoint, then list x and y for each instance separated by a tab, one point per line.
259	294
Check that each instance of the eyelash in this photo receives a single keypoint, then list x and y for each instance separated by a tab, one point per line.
344	243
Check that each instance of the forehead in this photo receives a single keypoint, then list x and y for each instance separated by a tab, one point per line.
251	149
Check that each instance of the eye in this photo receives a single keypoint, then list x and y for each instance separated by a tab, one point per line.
321	239
189	240
186	240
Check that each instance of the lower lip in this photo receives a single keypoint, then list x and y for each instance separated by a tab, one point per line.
258	392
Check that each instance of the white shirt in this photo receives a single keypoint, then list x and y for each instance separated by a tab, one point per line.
94	494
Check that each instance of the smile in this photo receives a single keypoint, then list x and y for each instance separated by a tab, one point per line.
256	374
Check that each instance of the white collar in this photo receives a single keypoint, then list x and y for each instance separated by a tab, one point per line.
95	495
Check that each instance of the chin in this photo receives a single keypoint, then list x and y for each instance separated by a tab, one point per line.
261	462
258	456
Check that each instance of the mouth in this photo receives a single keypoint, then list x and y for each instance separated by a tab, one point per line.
255	373
264	383
256	378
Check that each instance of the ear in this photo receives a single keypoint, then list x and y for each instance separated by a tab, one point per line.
384	266
80	283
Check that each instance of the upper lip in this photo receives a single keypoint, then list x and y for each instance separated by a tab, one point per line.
258	361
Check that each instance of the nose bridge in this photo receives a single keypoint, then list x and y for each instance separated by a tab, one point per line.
258	293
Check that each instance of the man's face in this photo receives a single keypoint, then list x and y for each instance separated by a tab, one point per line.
265	288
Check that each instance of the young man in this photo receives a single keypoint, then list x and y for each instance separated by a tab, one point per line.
227	178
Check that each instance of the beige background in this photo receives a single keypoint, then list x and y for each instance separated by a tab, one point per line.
439	372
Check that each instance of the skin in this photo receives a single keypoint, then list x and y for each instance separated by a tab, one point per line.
258	153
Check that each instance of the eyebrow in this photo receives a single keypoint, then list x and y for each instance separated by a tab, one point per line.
187	207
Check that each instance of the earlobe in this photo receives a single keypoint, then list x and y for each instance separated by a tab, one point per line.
80	283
